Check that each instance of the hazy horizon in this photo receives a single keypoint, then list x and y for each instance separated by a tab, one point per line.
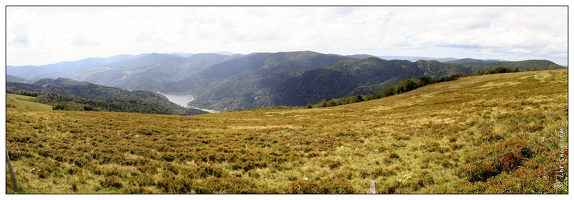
228	52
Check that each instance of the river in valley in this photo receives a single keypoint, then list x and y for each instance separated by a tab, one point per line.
182	100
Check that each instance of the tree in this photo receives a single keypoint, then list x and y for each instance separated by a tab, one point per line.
360	98
323	103
59	107
88	108
552	67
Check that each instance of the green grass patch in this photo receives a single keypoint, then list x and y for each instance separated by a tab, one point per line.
21	101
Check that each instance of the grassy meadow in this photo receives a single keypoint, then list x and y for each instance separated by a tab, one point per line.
496	133
21	101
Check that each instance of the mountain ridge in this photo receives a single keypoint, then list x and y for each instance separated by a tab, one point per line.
262	79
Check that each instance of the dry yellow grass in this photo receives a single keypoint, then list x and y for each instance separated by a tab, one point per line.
430	140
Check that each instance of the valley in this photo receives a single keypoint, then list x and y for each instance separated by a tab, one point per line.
259	80
183	101
178	99
68	94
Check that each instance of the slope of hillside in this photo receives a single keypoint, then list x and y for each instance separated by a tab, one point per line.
525	65
300	78
340	79
89	94
21	101
498	133
296	78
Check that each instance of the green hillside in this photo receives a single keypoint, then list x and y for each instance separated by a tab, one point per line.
21	101
500	133
68	94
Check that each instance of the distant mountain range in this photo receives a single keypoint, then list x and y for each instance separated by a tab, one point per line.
15	79
149	72
227	81
416	58
64	69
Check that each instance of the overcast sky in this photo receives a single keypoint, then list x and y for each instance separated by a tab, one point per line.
44	35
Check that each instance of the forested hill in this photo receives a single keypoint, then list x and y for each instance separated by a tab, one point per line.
341	79
471	61
64	92
253	68
246	82
252	84
231	82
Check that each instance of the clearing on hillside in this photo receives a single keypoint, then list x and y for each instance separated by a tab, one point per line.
21	101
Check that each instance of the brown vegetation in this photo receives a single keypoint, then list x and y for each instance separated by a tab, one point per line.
484	134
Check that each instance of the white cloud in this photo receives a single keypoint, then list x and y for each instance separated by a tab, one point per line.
53	34
519	50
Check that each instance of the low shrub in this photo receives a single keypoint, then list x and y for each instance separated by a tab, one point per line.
111	181
233	185
173	185
326	186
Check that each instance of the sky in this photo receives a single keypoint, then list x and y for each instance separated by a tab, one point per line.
45	35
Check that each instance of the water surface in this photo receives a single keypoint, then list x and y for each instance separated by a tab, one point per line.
179	99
